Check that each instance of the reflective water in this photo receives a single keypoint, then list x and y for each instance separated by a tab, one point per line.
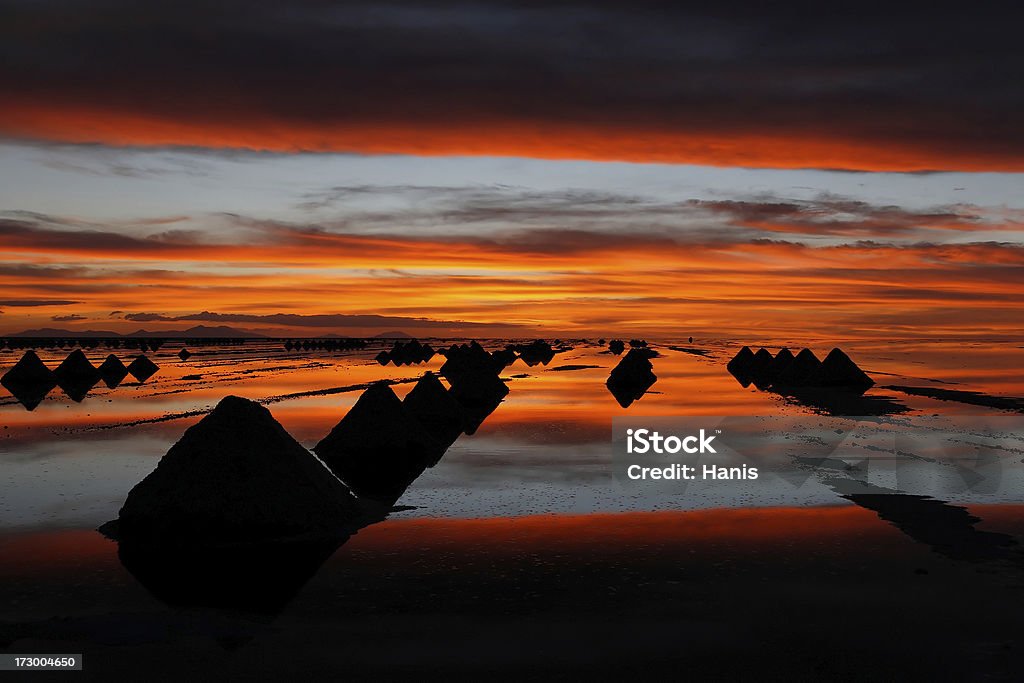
508	514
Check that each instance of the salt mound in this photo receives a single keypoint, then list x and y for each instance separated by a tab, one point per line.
838	371
437	411
803	371
76	375
632	377
113	371
378	448
29	380
142	368
236	476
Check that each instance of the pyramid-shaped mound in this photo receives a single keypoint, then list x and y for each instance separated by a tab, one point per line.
632	377
503	358
839	372
741	366
184	354
761	362
781	361
378	448
801	372
616	346
479	394
29	380
537	352
466	361
76	375
112	371
437	411
237	477
142	368
410	352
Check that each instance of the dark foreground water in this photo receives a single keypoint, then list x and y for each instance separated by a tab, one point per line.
520	553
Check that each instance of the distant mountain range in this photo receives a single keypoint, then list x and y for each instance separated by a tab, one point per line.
199	331
392	335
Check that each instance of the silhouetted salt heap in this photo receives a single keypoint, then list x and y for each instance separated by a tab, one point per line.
333	344
142	368
741	366
76	375
475	384
184	354
406	353
503	358
467	360
379	447
112	371
837	370
803	373
29	380
437	411
632	377
537	352
616	346
236	477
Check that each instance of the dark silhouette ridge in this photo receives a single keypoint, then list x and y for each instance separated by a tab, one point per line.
830	402
973	398
948	529
236	477
691	351
76	375
29	380
632	377
112	371
437	411
379	447
142	368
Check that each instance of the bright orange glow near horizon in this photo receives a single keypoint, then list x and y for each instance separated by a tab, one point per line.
657	288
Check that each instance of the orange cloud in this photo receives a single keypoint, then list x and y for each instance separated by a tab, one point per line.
794	148
580	284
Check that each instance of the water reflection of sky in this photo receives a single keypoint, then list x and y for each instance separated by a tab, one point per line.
546	449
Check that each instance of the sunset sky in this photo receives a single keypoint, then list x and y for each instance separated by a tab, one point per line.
485	168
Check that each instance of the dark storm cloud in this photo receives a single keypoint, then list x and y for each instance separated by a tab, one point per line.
925	75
